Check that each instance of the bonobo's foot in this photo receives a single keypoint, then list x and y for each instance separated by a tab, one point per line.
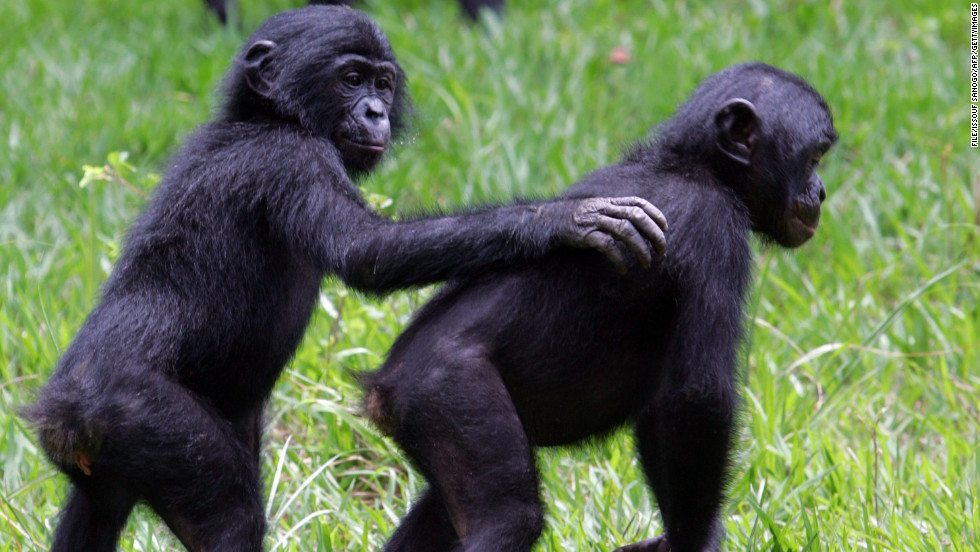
601	222
656	544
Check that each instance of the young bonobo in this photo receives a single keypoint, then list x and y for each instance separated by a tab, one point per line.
554	352
160	395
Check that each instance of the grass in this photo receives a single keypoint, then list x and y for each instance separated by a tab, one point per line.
862	375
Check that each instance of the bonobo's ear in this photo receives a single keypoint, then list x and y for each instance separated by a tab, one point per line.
736	123
257	67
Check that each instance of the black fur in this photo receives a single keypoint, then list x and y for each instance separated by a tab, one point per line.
554	353
160	395
472	7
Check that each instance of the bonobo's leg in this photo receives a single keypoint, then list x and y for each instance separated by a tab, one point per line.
473	7
458	424
683	439
186	461
92	518
426	527
248	428
220	8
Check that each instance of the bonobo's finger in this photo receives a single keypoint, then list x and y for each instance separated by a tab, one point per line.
619	227
649	221
607	245
650	208
642	221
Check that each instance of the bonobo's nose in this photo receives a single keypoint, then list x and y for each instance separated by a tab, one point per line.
373	108
372	115
821	191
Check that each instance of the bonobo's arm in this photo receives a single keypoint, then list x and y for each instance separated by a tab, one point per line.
331	226
383	255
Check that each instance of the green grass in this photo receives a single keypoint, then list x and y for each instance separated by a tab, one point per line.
862	389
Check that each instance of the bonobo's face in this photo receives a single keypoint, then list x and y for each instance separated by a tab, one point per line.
331	70
801	212
787	190
366	89
776	141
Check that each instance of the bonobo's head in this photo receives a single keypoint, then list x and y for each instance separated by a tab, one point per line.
762	131
328	69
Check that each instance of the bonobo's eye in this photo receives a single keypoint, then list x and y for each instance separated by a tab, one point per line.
384	83
353	79
818	153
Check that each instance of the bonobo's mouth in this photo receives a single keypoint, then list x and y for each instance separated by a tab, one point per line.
804	227
801	222
799	231
376	147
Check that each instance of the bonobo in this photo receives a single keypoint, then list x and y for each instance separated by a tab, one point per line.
554	352
160	395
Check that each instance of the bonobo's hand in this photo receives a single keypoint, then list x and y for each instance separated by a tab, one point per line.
599	222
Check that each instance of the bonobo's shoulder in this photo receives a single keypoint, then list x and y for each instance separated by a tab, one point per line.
238	149
257	140
687	193
709	226
612	181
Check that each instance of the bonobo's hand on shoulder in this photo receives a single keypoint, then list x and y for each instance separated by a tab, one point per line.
600	222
